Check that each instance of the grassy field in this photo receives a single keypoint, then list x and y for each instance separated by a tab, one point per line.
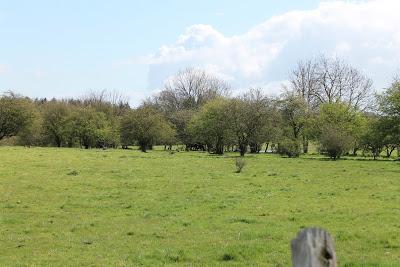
71	207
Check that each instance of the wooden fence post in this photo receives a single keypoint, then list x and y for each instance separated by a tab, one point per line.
313	247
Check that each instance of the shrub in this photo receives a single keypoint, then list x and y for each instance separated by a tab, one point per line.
239	164
289	147
335	143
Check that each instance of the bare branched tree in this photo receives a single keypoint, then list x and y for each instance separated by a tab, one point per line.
190	89
329	80
304	81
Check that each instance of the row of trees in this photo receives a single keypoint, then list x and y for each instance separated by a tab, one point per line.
328	103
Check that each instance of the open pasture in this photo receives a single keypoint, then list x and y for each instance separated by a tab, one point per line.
72	207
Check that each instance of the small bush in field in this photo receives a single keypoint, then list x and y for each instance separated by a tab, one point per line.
239	164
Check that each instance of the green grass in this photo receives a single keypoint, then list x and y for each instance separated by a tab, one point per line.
71	207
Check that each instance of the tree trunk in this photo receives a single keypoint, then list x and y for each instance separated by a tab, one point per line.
255	148
219	149
243	149
305	145
143	146
58	141
266	148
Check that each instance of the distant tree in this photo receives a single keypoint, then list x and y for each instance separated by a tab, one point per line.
389	107
391	134
55	121
111	103
190	89
260	114
180	120
374	138
237	117
304	82
89	126
336	128
145	126
289	147
330	80
32	133
295	118
183	95
212	125
389	101
15	114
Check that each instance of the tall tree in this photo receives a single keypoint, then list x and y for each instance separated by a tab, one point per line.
337	127
15	114
145	126
212	125
330	80
55	117
389	107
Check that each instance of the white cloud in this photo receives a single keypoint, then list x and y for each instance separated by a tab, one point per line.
367	34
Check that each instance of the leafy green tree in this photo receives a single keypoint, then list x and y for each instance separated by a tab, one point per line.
237	112
389	105
32	133
295	119
374	138
337	128
212	125
258	117
389	101
88	127
289	147
184	94
55	121
180	120
145	126
15	114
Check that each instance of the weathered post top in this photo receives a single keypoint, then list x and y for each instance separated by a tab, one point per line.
313	247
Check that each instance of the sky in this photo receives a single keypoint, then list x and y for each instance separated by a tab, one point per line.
66	48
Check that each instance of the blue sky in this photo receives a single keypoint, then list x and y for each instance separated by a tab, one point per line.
64	48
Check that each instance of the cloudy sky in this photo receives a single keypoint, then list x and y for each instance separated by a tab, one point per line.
65	48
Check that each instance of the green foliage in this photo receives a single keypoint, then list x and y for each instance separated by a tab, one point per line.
295	115
389	101
335	142
374	138
238	115
337	128
15	114
212	125
180	120
56	116
91	128
289	147
389	104
32	133
145	126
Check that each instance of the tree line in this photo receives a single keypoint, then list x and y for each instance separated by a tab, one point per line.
327	102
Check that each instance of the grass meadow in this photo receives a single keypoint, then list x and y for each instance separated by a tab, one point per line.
73	207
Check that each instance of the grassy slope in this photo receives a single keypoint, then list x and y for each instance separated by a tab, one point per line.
126	208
